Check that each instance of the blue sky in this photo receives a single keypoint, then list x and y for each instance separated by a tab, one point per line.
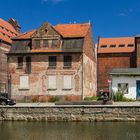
109	18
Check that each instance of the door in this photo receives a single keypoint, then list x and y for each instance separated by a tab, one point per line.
138	89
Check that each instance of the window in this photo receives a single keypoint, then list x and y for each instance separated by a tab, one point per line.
112	46
55	43
52	82
103	46
20	62
130	45
122	45
52	61
37	44
46	43
67	61
123	87
67	82
24	82
28	65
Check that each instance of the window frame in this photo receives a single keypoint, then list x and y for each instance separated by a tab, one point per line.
20	62
122	85
67	64
28	64
52	64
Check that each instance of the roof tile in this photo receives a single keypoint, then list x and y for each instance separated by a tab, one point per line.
116	41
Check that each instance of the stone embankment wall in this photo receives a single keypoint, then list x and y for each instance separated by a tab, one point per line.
70	113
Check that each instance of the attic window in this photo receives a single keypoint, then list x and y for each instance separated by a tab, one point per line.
121	45
112	46
130	45
46	30
103	46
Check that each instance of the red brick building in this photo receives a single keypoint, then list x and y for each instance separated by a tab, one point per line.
113	53
7	31
53	61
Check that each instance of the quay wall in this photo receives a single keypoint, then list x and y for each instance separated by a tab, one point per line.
70	113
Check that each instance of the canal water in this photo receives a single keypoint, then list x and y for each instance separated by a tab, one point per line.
69	131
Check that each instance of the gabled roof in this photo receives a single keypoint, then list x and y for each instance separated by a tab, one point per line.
65	30
73	30
126	41
26	35
7	31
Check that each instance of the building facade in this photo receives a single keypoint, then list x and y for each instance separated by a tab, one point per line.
7	31
114	53
127	81
53	61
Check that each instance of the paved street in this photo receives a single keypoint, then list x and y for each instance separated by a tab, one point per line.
52	104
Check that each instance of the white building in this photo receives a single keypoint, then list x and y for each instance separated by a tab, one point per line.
126	80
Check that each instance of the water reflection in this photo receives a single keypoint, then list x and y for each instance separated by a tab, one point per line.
69	131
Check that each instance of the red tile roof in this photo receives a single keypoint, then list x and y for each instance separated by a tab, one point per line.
7	31
72	30
26	35
116	41
66	30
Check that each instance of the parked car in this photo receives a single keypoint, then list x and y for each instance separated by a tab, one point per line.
6	101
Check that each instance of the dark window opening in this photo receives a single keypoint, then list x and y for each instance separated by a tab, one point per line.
37	44
67	61
20	62
122	45
130	45
103	46
28	65
52	61
123	87
112	46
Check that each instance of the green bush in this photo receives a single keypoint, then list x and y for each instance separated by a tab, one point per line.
53	99
118	96
91	98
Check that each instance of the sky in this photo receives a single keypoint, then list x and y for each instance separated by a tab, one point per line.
109	18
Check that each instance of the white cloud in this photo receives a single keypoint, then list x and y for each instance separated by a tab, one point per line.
126	12
53	1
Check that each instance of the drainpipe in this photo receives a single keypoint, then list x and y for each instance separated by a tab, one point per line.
82	96
0	64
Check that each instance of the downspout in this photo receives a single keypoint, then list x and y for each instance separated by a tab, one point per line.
97	69
0	65
82	77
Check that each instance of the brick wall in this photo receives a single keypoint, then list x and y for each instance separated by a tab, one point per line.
38	79
107	62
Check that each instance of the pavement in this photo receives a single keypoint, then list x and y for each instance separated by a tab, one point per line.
53	104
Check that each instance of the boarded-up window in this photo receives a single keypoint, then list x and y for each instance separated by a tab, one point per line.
51	82
24	82
67	81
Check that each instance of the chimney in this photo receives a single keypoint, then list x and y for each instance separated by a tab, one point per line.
15	24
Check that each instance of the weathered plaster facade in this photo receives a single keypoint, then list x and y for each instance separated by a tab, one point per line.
69	83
